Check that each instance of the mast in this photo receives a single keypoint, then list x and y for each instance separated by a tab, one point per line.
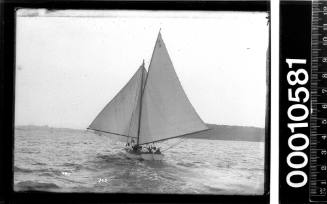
140	110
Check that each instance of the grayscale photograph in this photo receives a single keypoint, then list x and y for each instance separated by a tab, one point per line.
136	101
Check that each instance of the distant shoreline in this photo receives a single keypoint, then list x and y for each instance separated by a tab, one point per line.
215	132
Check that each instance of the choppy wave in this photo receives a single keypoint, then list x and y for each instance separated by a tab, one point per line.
42	172
74	166
22	170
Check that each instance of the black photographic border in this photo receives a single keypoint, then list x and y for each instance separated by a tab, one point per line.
7	101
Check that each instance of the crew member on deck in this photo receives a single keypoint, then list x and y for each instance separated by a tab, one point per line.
149	149
157	151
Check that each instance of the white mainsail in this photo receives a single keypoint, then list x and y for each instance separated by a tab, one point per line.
166	111
121	116
154	111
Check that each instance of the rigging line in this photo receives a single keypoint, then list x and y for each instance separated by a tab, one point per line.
177	136
108	132
181	140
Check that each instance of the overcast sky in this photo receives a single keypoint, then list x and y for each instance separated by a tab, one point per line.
69	68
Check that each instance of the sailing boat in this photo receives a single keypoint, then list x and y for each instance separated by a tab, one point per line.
150	108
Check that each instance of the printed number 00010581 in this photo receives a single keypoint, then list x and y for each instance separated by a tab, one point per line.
298	97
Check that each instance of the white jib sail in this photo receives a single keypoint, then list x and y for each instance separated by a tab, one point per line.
166	111
121	115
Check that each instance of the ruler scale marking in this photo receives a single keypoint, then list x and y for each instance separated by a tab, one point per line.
318	148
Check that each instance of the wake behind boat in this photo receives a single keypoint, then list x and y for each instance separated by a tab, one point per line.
150	108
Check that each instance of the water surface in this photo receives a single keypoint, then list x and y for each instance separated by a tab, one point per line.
63	160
